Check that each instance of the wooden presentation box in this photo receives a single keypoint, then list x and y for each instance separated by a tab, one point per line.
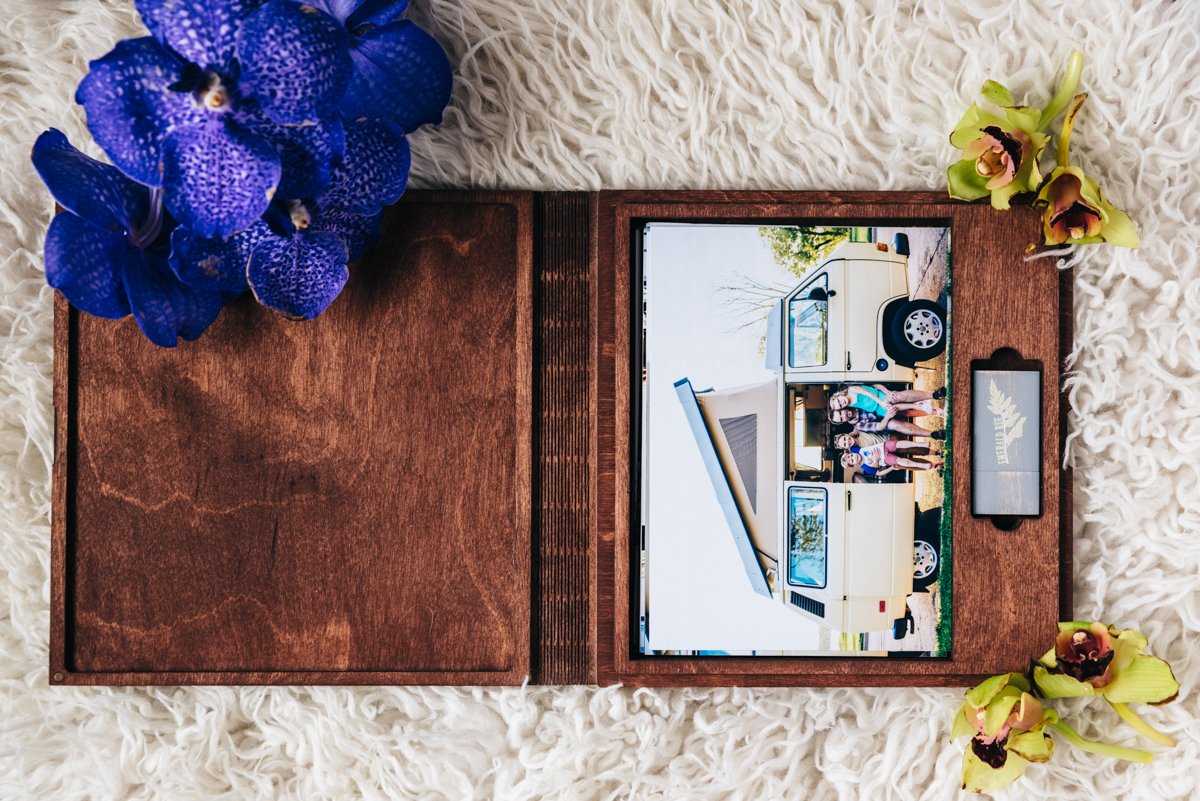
430	483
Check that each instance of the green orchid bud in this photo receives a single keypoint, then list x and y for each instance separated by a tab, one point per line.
1000	154
1076	211
1091	659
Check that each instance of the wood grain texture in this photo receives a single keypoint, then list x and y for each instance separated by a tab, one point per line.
345	501
562	488
352	501
1006	584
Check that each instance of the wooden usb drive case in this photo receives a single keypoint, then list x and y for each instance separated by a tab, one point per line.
430	483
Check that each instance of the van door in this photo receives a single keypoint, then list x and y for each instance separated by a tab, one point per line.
868	290
879	525
815	329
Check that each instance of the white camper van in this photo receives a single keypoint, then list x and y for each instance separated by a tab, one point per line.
852	320
841	554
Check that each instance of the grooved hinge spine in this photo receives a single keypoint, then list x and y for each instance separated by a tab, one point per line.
561	489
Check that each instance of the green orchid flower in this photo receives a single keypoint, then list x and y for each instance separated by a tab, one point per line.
1076	210
1008	728
1000	154
1091	659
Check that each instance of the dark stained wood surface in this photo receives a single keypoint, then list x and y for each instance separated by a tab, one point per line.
334	502
396	493
562	482
1007	588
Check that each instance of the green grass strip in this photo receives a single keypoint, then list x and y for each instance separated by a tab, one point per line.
945	624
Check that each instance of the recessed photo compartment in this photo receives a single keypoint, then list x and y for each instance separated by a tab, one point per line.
788	437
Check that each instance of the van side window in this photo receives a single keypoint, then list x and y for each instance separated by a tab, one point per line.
807	540
808	321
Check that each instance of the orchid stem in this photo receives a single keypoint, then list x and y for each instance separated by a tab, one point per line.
1064	138
1070	81
1104	749
1143	728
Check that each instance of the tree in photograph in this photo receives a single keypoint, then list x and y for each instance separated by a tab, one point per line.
798	249
808	536
749	300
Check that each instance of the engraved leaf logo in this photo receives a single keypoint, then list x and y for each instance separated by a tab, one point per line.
1015	432
999	401
1008	419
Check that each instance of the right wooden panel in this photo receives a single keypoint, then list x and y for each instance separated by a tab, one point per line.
1009	586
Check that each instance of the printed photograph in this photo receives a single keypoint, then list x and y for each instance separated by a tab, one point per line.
794	452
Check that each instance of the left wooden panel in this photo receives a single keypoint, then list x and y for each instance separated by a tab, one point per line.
343	501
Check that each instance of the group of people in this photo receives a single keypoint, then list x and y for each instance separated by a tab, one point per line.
876	414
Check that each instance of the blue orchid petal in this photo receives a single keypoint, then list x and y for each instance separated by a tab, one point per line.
401	73
307	153
356	230
202	31
338	9
165	308
353	13
129	107
299	276
218	178
216	264
375	12
374	171
296	61
95	191
85	264
278	218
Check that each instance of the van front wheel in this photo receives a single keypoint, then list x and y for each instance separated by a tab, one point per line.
919	330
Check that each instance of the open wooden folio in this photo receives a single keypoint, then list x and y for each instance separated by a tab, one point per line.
450	476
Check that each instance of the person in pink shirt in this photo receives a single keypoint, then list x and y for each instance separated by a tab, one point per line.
865	439
871	423
881	459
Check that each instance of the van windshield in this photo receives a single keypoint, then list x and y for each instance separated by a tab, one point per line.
807	543
807	323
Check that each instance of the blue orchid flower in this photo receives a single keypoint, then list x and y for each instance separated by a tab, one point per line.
226	104
401	73
295	257
107	252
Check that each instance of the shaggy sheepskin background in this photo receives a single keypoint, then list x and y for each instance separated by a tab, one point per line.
585	94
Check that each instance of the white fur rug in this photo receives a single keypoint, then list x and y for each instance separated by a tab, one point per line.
584	94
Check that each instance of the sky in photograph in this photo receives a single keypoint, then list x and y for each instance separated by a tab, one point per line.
699	595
